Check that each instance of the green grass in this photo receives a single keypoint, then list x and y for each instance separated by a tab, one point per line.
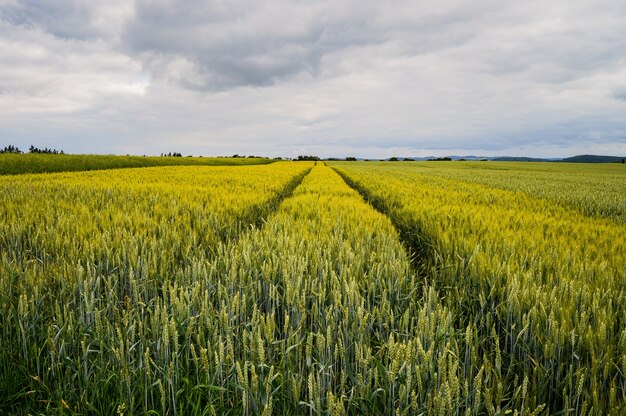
13	164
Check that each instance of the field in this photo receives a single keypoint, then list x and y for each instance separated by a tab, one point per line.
12	164
306	288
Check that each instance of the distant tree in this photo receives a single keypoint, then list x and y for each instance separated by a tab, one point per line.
393	159
308	158
351	159
33	149
408	159
10	149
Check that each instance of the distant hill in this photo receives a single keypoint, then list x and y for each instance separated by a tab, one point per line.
573	159
520	159
592	159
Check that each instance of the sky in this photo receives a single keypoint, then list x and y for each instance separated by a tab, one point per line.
340	78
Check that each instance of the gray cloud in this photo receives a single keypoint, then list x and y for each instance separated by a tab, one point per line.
619	93
211	46
335	77
68	19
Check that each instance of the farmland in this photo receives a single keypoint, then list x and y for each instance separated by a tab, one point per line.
594	189
301	288
12	164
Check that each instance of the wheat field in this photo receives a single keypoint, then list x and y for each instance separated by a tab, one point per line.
306	288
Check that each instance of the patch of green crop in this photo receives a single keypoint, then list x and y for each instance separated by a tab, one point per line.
12	164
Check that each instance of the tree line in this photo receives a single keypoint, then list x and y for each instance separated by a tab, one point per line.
32	149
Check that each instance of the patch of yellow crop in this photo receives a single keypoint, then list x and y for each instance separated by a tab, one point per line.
155	218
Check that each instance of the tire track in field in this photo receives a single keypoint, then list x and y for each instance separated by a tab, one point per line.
418	246
260	213
256	216
326	266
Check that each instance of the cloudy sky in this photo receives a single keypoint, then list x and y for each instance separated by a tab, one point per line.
332	78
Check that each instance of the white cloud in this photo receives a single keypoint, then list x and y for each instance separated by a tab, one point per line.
333	77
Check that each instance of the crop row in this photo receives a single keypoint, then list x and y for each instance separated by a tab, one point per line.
544	281
68	240
597	190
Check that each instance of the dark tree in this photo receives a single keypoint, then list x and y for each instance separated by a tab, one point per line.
307	158
10	149
46	151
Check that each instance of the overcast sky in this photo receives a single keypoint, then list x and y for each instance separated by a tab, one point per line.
332	78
